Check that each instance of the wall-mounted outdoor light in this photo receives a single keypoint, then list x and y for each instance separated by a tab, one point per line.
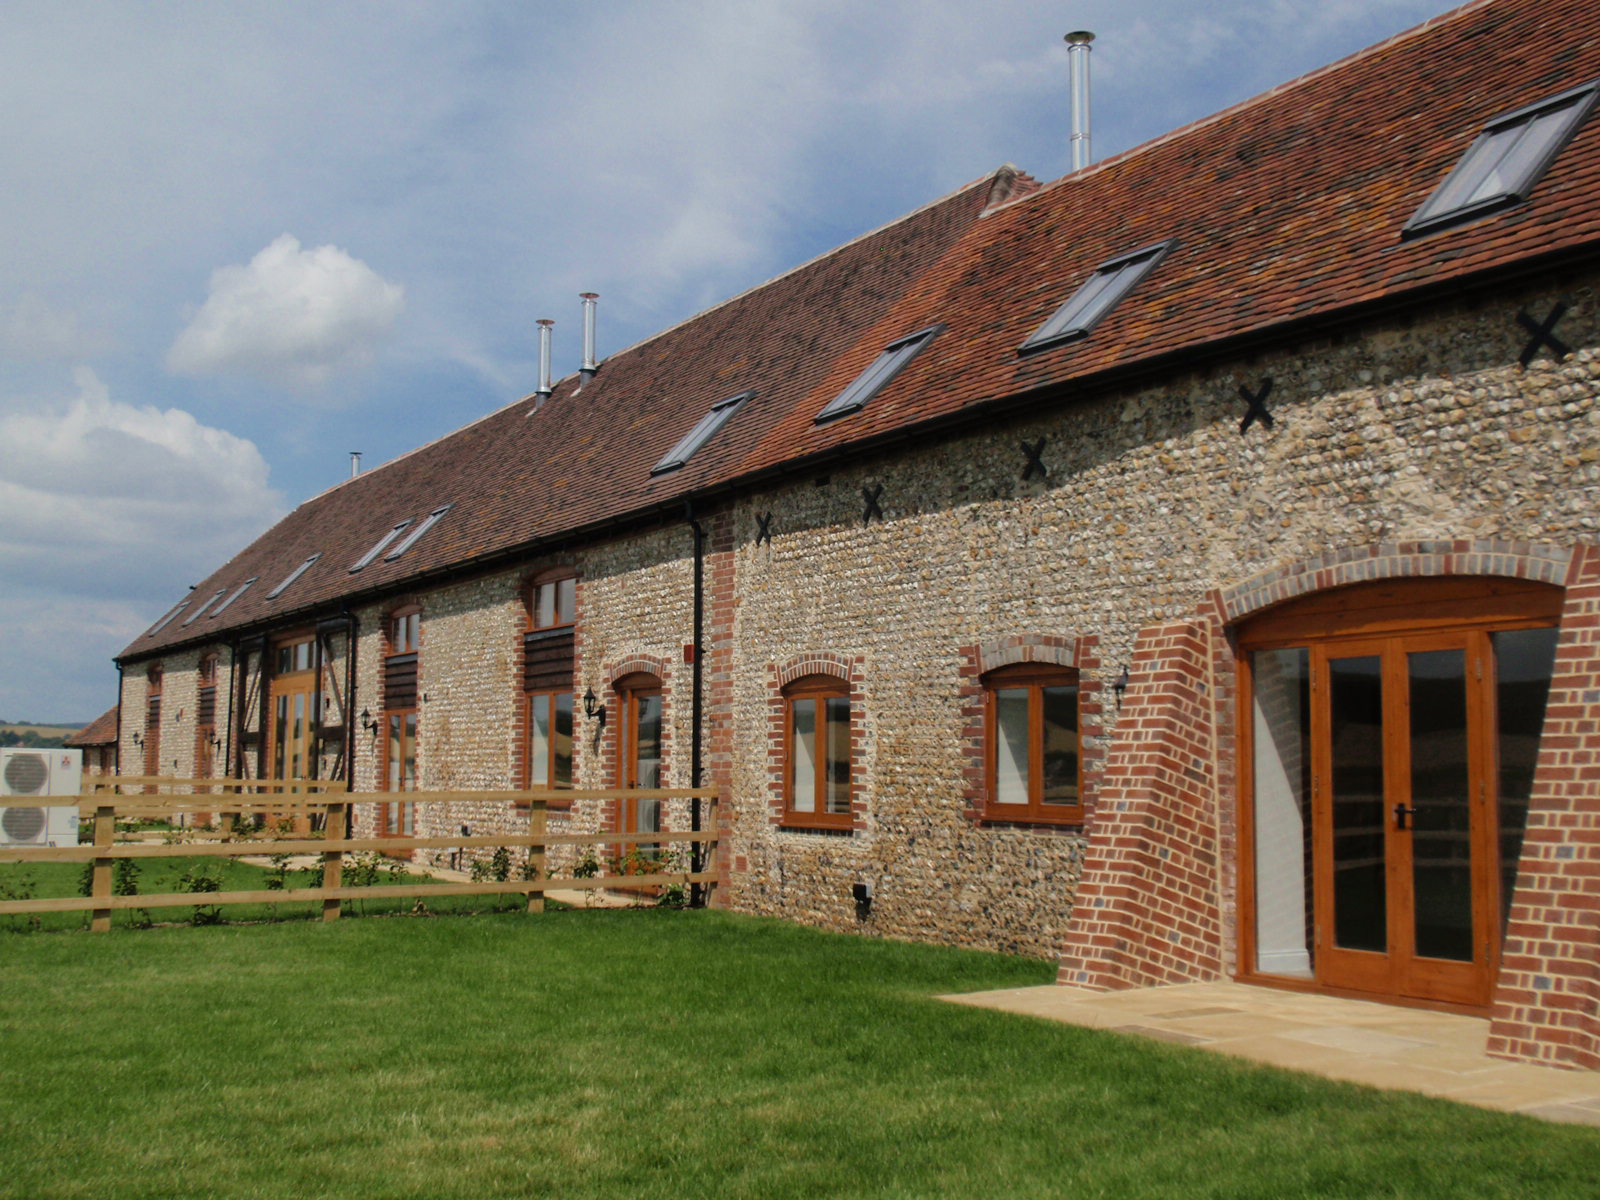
215	740
592	708
368	722
1120	686
138	738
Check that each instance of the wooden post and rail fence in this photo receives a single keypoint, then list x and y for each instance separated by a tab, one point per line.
298	801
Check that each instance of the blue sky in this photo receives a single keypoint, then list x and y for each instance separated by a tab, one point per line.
243	240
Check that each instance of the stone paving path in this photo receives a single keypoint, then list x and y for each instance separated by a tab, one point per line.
1437	1054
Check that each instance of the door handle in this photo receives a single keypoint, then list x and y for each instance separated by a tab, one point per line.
1401	812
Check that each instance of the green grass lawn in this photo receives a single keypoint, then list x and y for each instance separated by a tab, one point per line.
651	1053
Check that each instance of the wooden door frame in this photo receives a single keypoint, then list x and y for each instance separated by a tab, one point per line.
1395	608
627	689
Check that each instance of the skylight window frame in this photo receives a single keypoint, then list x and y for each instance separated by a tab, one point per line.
1107	286
200	612
704	430
412	538
289	579
382	544
168	619
1473	165
237	592
878	374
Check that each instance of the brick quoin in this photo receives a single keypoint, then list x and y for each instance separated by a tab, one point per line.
1547	998
1148	910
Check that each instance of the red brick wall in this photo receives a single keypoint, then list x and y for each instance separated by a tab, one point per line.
1148	909
1547	1001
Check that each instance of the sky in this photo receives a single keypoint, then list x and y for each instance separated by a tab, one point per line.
242	240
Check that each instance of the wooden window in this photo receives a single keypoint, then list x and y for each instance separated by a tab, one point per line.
152	722
553	603
817	757
206	719
405	631
1035	762
400	672
549	754
547	665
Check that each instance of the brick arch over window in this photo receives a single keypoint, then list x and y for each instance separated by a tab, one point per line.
638	664
818	662
1027	648
1533	561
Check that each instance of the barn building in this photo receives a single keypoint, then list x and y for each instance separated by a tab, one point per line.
1188	568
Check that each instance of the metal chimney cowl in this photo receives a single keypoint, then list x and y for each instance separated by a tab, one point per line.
545	327
1078	64
589	364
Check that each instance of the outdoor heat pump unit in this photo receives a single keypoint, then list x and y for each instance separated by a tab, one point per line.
41	773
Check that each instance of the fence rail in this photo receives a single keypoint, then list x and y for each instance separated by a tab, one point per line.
334	802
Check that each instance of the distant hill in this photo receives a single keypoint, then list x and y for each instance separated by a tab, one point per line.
33	733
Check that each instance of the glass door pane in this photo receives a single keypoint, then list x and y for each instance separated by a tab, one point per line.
1360	886
1524	661
1440	820
1281	776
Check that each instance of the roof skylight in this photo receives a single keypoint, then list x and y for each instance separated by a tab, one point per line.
879	372
382	544
1111	281
702	433
237	592
411	538
167	620
1506	160
292	576
197	613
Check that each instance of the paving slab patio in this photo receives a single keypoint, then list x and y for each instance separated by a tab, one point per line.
1358	1041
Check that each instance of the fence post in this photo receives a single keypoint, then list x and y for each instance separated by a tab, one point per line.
536	828
333	860
105	830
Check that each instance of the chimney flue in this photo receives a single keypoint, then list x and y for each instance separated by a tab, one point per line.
589	364
543	392
1078	64
355	463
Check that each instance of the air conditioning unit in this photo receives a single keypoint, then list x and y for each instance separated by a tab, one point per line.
40	773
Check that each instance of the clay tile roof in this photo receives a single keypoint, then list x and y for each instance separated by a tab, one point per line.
102	731
1284	210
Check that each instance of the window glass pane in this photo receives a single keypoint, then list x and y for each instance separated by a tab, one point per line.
1468	181
1524	662
561	741
1011	746
396	764
544	605
1441	842
838	717
648	763
1060	769
1281	771
566	601
1360	893
409	779
803	754
539	741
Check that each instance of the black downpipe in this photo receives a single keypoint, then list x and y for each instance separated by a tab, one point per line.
354	629
697	897
120	681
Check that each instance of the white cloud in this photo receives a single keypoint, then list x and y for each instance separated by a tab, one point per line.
109	509
291	316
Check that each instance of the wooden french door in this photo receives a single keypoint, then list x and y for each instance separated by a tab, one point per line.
292	713
639	698
1389	735
1403	816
